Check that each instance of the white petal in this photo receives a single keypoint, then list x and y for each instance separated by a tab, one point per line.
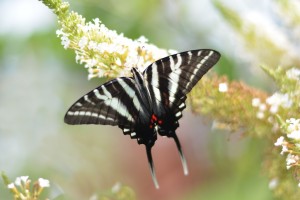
44	182
223	87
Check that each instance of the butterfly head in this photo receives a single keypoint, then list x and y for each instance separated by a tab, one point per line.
135	71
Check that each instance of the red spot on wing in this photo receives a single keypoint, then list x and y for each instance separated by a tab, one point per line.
153	121
153	117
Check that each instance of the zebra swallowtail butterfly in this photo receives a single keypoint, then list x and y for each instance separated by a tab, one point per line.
148	103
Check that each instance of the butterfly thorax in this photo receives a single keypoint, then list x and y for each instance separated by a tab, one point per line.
142	90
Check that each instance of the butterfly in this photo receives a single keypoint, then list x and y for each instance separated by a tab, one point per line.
148	103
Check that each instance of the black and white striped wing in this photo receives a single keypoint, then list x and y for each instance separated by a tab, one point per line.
113	103
171	78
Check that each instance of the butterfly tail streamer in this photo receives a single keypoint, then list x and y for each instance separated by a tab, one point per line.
151	165
183	160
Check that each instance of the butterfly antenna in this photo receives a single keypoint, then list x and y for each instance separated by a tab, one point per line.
183	160
151	165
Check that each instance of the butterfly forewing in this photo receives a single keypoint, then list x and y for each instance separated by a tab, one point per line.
174	76
103	105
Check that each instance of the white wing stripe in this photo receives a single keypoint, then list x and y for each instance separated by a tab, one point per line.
181	105
106	93
202	62
136	103
70	113
199	66
86	98
78	104
179	62
157	95
126	130
101	117
171	63
133	134
98	95
190	57
173	87
178	114
131	93
172	99
119	107
82	113
155	82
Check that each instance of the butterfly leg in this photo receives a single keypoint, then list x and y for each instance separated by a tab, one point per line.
151	165
183	160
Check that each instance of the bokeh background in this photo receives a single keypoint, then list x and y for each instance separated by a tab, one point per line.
39	80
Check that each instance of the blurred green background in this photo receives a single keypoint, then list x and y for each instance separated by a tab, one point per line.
39	80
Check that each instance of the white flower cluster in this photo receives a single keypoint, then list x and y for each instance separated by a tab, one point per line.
106	52
279	100
291	160
23	180
23	189
281	142
293	128
256	102
293	73
18	182
64	38
290	144
273	103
